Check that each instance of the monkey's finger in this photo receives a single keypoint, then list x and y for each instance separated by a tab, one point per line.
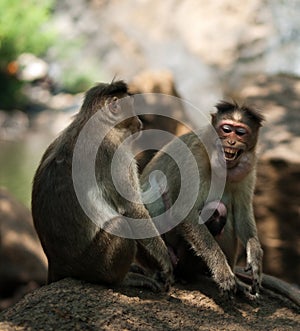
138	280
137	269
247	290
248	267
255	286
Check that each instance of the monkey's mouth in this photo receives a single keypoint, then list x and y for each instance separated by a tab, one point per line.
232	154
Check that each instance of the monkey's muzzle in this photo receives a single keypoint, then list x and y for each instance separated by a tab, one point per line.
231	155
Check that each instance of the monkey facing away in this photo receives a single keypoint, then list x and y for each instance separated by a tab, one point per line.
75	245
237	128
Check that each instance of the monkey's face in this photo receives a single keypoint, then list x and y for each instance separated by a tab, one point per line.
235	138
237	128
121	114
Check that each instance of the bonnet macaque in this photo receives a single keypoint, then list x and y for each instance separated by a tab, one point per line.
75	245
237	128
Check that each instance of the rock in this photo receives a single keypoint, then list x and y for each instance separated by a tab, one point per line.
31	68
52	121
277	96
203	43
13	125
159	106
277	193
154	81
74	305
276	205
23	264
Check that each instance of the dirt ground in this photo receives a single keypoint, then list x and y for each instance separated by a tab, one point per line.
75	305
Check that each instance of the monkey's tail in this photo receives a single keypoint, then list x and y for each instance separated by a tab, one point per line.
281	287
274	284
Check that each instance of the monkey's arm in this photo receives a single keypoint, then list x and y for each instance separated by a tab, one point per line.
152	251
204	245
247	232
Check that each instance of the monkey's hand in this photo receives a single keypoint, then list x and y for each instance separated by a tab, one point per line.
166	274
254	263
205	246
225	279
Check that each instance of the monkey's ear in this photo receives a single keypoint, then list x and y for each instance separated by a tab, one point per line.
213	118
113	104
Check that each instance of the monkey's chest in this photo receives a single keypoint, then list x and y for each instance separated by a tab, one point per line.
228	202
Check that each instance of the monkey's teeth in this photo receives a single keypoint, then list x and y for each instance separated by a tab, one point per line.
230	154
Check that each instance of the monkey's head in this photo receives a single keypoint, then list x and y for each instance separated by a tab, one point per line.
237	127
115	104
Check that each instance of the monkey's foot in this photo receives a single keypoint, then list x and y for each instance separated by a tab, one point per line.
166	279
138	280
246	290
255	277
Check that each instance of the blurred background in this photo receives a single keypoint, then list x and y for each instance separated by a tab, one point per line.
203	51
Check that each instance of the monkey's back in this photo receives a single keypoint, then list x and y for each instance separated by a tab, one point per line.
176	169
58	218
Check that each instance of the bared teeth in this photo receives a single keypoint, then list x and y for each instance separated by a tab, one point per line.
230	153
230	150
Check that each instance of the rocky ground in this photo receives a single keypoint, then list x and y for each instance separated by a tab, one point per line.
75	305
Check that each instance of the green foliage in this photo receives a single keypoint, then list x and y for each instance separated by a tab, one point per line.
75	82
22	29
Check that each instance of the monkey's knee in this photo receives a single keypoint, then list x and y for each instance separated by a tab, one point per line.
118	226
119	250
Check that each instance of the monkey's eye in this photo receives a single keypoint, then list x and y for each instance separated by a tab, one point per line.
226	128
240	131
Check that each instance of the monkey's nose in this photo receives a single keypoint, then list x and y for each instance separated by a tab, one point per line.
231	142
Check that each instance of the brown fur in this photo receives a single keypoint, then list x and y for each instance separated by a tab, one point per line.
193	240
74	245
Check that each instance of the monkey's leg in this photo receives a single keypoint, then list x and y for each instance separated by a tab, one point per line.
150	262
108	259
208	249
247	232
133	278
152	252
154	247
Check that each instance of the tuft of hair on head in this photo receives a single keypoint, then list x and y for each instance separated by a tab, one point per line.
94	95
251	112
224	107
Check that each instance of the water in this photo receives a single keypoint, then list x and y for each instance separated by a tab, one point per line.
18	163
